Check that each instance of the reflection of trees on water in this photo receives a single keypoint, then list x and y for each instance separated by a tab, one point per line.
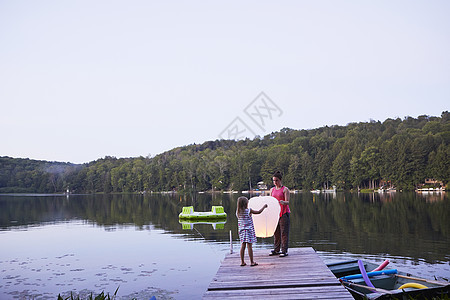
161	210
405	224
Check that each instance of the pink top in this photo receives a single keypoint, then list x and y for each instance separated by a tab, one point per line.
279	195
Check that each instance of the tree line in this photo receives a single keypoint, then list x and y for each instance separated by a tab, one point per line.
396	152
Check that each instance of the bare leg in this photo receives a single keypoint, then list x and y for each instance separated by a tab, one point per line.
250	253
243	252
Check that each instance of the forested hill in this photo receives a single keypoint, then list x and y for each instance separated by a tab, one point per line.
398	152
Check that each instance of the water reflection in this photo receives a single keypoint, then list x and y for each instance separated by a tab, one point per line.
190	225
402	224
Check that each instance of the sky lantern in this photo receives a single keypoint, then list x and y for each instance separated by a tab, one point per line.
267	221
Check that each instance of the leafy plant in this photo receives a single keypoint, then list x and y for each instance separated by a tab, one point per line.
100	296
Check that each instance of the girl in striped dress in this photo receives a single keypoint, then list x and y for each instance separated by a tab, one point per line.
246	229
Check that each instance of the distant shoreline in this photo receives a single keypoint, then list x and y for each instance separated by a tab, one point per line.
256	193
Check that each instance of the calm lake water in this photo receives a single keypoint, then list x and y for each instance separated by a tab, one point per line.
53	245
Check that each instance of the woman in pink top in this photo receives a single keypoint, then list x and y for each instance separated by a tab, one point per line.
281	193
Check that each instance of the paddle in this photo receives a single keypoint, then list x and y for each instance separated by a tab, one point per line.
424	280
372	289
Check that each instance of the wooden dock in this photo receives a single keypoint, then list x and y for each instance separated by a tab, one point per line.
300	275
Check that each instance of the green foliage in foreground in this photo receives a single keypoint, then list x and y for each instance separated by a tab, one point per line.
100	296
396	152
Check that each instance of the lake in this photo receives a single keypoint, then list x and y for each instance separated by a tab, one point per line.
53	245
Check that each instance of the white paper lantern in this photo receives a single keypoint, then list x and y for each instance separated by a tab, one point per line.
267	221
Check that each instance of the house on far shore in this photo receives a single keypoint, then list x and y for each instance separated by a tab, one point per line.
431	184
262	185
432	181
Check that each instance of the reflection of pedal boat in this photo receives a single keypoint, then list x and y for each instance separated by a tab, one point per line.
216	213
189	224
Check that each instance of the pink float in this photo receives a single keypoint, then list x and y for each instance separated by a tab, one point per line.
382	266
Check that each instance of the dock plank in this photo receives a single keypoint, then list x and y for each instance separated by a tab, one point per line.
282	293
300	275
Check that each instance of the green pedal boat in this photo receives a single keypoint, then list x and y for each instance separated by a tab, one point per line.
216	213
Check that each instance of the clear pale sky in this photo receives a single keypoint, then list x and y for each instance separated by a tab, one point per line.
80	80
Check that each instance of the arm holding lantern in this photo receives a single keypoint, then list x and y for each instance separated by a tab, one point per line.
257	212
286	197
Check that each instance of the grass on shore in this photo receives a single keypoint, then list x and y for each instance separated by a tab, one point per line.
100	296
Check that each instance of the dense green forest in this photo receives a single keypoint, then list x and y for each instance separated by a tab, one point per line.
396	152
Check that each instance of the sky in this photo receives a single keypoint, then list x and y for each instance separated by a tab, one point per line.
81	80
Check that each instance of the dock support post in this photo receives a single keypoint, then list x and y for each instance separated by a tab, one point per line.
231	244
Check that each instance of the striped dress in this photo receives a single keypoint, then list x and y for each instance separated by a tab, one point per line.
246	228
